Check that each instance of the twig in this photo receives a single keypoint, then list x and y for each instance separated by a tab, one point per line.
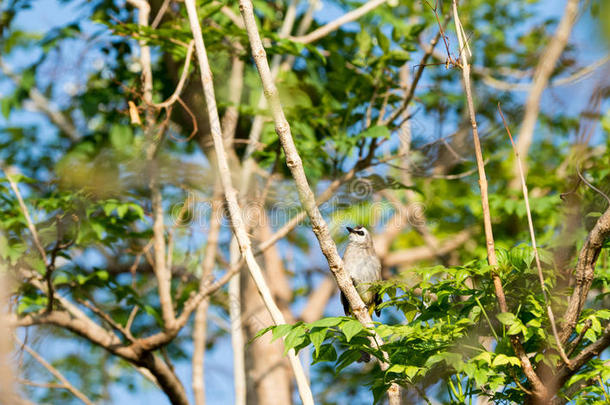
125	332
591	186
160	13
530	224
185	70
418	74
574	344
162	273
336	24
27	217
56	373
231	197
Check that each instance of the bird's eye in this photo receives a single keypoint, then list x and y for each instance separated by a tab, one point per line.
361	233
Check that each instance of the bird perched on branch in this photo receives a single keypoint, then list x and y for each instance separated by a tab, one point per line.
362	264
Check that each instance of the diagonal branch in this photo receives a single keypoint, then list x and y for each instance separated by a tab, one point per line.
28	219
584	273
308	200
237	221
56	373
530	224
336	24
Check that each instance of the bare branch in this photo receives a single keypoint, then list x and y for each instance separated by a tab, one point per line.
56	373
162	273
185	70
584	273
336	24
26	215
231	197
418	74
594	349
160	13
530	224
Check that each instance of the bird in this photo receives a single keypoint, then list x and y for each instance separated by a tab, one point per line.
364	267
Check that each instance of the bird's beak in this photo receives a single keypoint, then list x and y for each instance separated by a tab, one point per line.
350	230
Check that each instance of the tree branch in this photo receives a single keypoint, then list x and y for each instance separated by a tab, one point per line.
539	388
336	24
200	324
231	196
56	373
530	224
584	273
294	163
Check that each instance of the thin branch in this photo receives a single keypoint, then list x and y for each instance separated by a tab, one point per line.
594	349
26	215
160	13
106	317
336	24
530	224
56	373
308	200
574	344
200	323
185	70
528	369
231	197
585	272
237	330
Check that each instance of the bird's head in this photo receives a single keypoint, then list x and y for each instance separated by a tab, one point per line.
359	236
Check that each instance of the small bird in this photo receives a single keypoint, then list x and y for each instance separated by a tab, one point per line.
362	264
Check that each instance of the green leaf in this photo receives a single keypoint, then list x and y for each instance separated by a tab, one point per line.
120	136
327	353
317	336
280	331
347	358
351	328
502	359
515	328
327	322
377	131
506	318
295	337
